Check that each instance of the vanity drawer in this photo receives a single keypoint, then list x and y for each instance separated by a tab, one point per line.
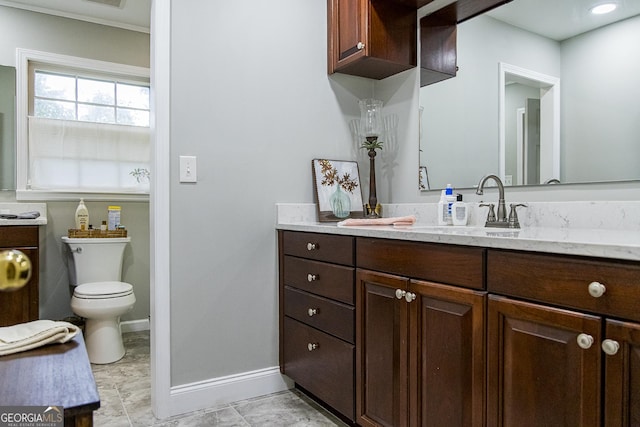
320	247
18	236
328	280
565	281
454	265
330	316
326	370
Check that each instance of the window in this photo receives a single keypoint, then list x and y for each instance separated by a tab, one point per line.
83	127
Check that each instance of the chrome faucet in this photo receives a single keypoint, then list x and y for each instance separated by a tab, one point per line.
499	220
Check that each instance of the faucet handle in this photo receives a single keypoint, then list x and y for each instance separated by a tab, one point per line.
491	216
513	215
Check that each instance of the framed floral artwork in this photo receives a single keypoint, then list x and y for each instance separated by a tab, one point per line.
337	189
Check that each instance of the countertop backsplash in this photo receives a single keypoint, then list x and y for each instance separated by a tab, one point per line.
599	215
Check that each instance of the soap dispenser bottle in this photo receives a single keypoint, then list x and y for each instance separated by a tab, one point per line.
82	216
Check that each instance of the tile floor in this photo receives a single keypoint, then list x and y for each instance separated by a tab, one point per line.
125	397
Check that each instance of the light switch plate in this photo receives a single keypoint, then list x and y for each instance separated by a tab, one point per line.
188	171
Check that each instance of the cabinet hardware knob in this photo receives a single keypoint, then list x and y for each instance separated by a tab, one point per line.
312	312
312	246
312	346
400	293
410	296
610	347
585	341
360	45
597	289
312	277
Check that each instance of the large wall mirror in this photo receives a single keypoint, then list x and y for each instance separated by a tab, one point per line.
7	128
546	93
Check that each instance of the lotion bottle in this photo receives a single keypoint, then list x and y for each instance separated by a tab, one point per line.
442	209
460	212
450	200
82	216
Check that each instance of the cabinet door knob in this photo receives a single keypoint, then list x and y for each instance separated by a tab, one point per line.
400	293
312	312
610	347
312	277
360	45
597	289
585	341
312	346
312	246
410	296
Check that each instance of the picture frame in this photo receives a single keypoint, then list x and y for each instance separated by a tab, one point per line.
338	193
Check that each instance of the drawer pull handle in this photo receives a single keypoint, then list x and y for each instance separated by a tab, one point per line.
400	293
597	289
410	296
312	346
585	341
610	347
312	312
312	277
312	246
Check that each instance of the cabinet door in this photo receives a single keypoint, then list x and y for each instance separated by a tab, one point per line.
381	350
446	356
538	374
347	31
22	305
622	375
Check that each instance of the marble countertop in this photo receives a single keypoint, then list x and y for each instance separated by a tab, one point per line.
616	244
18	208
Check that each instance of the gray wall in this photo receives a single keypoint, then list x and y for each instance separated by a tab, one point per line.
260	108
602	94
30	30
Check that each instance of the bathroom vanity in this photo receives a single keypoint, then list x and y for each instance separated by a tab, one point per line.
463	326
21	305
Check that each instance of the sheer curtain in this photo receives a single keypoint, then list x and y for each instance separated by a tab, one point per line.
89	157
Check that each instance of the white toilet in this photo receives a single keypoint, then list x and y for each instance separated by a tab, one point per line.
95	269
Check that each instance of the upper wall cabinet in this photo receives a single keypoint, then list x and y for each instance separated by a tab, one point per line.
438	38
371	38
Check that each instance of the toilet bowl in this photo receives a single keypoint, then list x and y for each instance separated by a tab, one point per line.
95	267
102	304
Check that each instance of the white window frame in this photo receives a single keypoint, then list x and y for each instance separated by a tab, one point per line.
23	58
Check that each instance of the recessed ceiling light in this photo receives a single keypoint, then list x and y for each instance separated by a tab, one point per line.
603	8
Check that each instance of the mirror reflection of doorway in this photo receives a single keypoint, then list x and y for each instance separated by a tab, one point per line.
529	126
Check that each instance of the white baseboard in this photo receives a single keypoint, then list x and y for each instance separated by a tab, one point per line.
135	325
224	390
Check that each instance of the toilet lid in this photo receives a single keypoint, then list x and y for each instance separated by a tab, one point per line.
101	290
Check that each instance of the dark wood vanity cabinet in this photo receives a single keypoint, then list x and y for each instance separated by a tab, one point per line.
371	38
563	341
317	334
420	352
22	305
447	335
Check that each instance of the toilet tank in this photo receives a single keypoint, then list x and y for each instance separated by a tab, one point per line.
95	259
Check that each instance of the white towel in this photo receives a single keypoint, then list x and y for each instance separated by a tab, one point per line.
26	336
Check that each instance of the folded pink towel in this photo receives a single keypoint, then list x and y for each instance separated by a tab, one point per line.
398	220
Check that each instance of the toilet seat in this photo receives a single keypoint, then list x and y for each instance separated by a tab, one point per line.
102	290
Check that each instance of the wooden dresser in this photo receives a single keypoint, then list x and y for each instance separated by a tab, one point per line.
52	375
